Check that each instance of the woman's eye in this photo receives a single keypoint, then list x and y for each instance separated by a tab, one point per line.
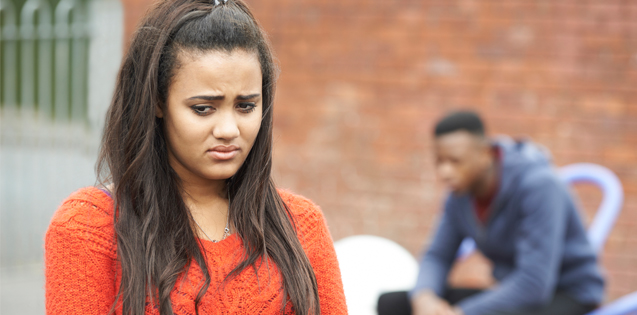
202	110
246	107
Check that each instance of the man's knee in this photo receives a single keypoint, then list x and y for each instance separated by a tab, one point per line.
395	303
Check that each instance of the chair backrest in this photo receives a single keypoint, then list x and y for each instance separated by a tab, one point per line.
613	198
607	213
372	265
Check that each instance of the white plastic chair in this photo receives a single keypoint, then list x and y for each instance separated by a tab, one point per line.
372	265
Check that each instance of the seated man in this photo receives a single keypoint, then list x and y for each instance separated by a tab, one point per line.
508	198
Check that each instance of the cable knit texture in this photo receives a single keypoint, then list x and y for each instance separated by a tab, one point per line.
82	274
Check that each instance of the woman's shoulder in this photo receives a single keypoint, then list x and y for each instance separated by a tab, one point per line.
86	208
300	206
308	216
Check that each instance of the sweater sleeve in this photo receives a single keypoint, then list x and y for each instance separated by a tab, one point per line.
538	254
319	247
439	258
80	261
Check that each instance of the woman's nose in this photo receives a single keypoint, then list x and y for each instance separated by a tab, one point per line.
226	126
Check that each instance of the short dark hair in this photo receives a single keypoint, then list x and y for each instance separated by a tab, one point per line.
460	120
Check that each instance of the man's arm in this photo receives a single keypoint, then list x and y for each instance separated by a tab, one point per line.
438	259
539	246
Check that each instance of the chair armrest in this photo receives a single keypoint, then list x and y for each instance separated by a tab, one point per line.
622	306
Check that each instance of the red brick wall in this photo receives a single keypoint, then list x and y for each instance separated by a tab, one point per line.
363	81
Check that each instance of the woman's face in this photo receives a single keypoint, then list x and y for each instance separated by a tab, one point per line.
212	114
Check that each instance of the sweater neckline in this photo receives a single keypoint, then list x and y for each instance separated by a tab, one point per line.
230	242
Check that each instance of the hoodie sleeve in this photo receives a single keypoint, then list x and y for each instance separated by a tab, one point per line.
435	264
538	253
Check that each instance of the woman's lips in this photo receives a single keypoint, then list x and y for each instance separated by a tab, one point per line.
223	153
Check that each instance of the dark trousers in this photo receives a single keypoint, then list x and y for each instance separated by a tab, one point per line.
397	303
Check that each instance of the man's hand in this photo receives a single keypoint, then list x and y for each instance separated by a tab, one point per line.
428	303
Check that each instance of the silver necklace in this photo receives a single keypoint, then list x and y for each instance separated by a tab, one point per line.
226	232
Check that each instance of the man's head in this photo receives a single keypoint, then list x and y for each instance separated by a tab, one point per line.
463	152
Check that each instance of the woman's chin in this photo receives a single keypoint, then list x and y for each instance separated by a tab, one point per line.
220	175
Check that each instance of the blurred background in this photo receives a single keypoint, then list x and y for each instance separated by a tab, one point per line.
362	83
58	62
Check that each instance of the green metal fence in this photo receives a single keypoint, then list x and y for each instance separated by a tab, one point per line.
58	66
44	64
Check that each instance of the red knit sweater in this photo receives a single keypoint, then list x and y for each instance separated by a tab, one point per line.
82	271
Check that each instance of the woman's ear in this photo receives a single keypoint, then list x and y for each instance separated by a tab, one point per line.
159	113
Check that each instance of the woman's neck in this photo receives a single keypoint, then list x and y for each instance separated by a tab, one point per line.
209	206
209	192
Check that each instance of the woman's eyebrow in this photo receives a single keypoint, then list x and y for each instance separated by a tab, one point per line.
207	97
247	97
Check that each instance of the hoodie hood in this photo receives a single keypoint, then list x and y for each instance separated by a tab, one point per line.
521	153
521	158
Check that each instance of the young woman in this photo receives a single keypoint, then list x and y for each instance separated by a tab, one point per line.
189	221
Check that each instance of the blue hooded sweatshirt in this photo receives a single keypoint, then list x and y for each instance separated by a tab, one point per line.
533	235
